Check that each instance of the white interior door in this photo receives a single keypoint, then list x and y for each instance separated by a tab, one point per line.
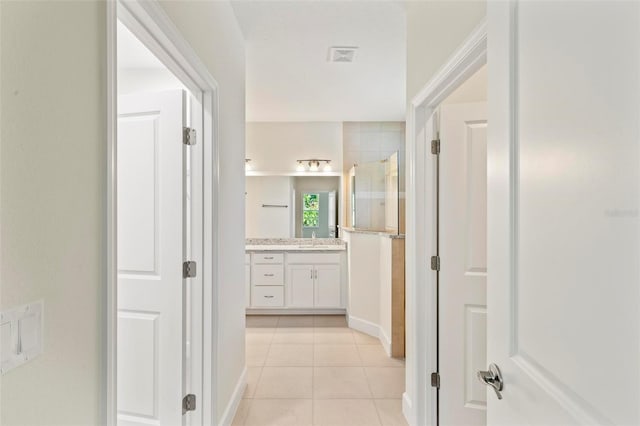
151	244
463	253
563	200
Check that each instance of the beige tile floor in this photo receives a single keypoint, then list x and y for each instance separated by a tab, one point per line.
314	370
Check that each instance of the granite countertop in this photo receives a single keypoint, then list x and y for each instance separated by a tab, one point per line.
373	232
294	244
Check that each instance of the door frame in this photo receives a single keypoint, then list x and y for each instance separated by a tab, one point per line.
149	22
419	403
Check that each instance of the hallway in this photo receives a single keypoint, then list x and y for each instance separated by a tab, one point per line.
314	370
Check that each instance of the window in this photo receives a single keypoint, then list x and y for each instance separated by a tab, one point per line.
310	210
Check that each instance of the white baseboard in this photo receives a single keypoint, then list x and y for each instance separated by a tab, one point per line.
407	409
295	311
386	342
372	329
367	327
236	398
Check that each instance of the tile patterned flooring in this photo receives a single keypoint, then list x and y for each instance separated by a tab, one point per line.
314	370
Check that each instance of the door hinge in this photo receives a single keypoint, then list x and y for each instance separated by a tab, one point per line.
188	136
189	269
435	146
435	380
435	263
188	403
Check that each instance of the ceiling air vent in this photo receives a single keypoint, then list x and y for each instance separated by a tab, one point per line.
342	54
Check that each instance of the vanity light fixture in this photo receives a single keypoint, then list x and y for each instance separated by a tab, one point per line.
313	164
247	165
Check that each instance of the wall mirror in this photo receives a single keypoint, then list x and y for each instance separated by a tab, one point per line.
292	206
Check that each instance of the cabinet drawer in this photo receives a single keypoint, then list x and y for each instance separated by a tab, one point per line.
267	296
313	258
267	275
259	258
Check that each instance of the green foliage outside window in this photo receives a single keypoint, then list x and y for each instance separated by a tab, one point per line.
310	210
311	201
310	219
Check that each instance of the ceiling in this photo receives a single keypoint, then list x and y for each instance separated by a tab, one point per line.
289	77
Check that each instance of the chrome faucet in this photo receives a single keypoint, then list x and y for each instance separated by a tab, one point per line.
313	238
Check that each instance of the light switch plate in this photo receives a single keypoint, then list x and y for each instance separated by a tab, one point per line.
22	335
7	344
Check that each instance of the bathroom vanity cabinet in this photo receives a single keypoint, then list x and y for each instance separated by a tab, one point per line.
295	281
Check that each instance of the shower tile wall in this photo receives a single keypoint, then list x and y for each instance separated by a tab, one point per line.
364	142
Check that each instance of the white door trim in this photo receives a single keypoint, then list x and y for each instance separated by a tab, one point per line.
419	399
160	35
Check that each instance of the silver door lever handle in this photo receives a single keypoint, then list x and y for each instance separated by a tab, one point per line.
493	378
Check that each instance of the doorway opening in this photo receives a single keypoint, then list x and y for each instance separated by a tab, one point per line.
161	225
159	333
436	117
461	211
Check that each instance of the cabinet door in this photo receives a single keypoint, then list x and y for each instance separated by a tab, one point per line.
300	286
328	287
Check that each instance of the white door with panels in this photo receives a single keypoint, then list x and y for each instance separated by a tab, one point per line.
151	251
563	222
463	273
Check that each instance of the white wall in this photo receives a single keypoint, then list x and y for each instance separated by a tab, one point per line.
316	183
370	260
52	186
269	222
275	147
213	32
364	276
434	30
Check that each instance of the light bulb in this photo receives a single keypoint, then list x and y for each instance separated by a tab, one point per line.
327	167
300	167
313	166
